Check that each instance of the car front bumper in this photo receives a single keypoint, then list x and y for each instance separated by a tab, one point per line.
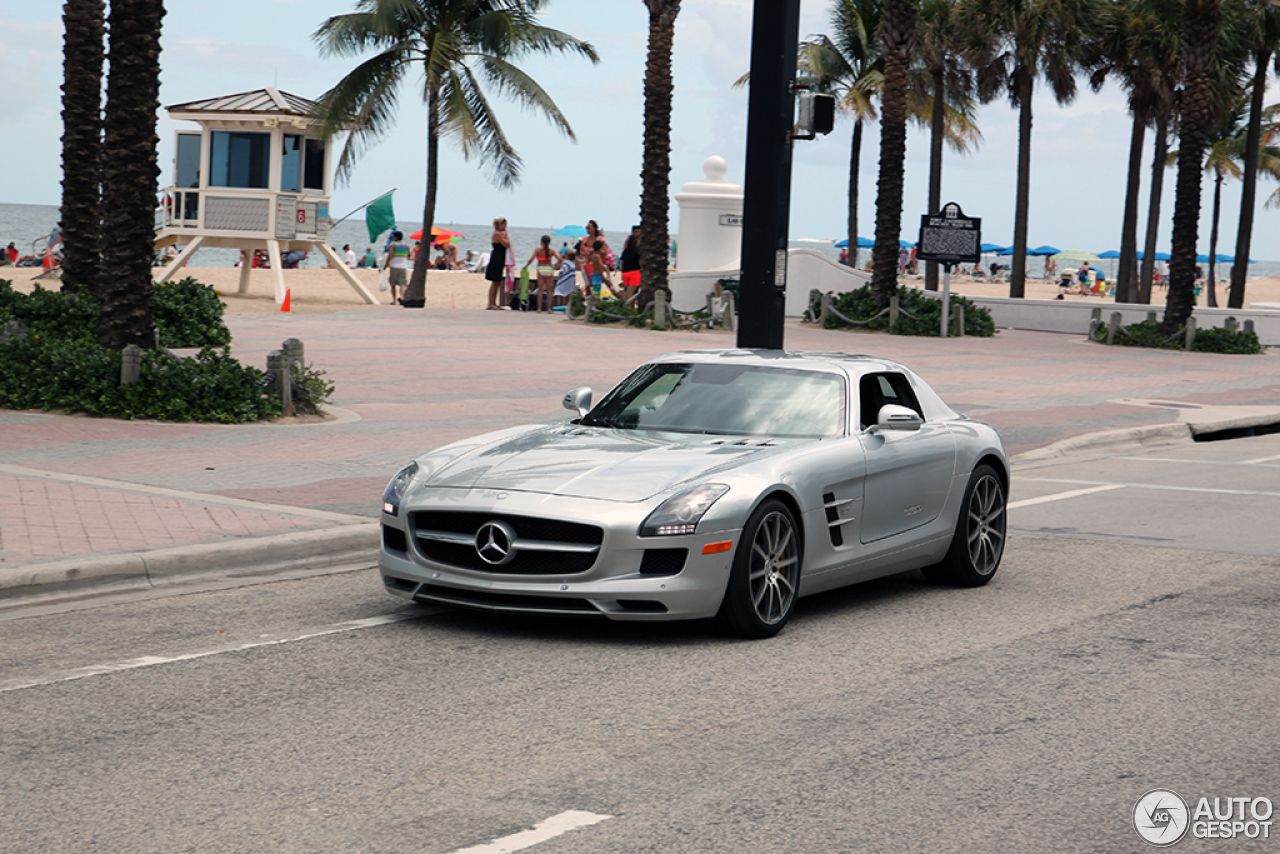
625	581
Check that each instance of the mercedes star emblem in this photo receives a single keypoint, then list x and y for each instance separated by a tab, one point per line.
494	543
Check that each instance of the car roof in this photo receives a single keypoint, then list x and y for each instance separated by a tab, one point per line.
853	364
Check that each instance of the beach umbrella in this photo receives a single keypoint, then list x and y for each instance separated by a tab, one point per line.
438	235
1075	255
840	244
903	244
1109	254
865	243
570	231
991	247
1046	250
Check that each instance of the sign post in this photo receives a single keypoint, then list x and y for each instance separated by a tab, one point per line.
949	237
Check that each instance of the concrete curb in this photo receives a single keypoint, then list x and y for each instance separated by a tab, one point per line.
1138	437
97	575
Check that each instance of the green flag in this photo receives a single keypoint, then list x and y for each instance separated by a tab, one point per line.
379	217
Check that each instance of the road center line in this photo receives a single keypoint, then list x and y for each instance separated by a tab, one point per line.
549	828
1057	496
153	660
1159	487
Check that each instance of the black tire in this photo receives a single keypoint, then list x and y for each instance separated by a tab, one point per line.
978	543
765	578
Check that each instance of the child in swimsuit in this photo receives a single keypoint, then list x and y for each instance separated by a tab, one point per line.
548	260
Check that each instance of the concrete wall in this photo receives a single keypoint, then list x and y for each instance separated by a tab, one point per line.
807	269
1072	316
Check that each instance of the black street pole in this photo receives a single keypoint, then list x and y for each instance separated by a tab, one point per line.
766	203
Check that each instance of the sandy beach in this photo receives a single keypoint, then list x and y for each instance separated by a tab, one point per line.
320	291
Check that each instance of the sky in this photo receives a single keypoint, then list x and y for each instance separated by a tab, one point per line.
1079	152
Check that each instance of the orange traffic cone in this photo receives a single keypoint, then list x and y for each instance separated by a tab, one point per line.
284	306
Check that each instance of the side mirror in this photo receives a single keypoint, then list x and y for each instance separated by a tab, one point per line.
895	417
579	400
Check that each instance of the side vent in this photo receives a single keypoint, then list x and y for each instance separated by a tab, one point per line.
838	514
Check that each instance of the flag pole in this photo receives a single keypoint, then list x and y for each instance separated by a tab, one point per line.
365	205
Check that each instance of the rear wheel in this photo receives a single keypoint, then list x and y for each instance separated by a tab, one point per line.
978	543
765	578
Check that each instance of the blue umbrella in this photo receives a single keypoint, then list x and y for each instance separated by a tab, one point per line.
570	231
1044	250
865	243
840	244
1110	253
902	244
991	247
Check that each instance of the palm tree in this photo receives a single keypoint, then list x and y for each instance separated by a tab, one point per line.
1012	43
1264	35
129	173
898	34
655	173
847	64
82	143
950	103
1138	42
1200	30
1228	151
457	44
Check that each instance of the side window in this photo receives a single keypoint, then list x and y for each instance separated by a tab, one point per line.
877	390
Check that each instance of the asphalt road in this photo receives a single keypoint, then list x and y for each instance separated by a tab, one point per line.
1128	643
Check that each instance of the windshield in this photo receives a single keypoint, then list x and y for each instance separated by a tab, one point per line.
746	400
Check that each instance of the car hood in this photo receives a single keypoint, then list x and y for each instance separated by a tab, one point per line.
616	465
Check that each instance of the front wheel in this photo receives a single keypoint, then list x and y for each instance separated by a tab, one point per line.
765	578
978	543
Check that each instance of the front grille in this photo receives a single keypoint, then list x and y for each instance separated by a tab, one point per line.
448	537
663	561
489	601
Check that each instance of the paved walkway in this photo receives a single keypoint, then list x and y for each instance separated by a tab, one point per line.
88	505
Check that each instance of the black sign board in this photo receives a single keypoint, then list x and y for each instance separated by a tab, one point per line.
949	237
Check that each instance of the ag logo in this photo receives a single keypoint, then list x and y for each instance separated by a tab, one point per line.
1161	817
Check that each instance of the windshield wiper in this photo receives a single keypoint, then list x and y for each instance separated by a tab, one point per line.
606	421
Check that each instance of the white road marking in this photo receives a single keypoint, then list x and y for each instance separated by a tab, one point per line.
1158	486
179	495
1058	496
1200	462
152	660
550	828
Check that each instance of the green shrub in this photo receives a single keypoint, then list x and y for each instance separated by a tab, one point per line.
310	389
1216	340
925	311
57	363
617	307
1143	334
189	314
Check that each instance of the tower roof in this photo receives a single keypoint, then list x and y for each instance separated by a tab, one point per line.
266	101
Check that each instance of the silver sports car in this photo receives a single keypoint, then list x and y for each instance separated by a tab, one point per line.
710	483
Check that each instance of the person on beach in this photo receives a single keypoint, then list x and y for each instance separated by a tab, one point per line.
370	260
397	265
547	260
348	255
631	267
496	272
599	270
567	280
593	234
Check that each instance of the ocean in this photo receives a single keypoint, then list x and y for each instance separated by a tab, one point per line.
24	225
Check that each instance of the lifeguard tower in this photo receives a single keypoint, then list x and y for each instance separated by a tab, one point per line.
254	177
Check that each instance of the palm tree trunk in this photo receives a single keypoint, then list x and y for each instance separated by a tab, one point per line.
1126	287
936	119
855	157
1211	283
655	171
1018	268
82	144
415	292
1200	26
1160	154
898	26
1248	193
129	174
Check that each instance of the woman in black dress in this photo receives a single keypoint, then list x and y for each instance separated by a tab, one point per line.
496	272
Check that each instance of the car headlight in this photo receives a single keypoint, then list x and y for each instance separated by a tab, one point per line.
680	513
395	489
